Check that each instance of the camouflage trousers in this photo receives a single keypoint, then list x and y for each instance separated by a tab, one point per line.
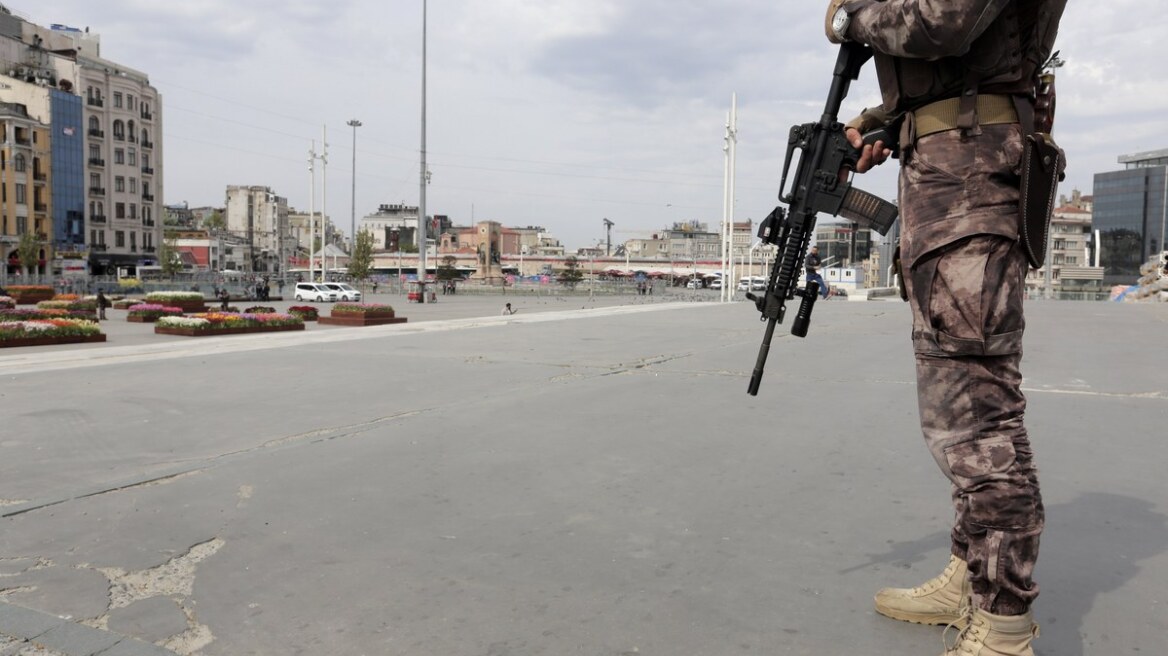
966	298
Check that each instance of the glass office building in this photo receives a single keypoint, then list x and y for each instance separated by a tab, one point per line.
68	171
1131	214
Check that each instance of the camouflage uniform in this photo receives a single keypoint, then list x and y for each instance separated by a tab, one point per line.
963	266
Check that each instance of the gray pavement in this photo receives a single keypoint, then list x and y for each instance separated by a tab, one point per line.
579	478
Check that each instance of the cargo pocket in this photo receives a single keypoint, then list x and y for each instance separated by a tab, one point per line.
974	300
983	470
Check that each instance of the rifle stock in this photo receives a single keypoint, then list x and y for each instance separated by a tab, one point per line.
816	187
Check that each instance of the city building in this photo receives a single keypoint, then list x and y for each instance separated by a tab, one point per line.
843	244
1072	273
104	160
1130	214
259	217
24	188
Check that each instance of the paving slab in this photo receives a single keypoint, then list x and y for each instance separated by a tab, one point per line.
570	479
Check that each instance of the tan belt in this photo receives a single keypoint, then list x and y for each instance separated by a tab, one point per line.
942	115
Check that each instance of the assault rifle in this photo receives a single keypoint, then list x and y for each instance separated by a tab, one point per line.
816	187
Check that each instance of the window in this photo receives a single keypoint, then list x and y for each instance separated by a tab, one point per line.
21	224
18	163
130	131
119	156
21	194
133	157
119	183
119	130
119	211
94	180
94	152
133	185
119	239
133	210
118	103
130	102
133	241
94	125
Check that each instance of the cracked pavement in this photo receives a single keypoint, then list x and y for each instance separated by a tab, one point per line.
555	482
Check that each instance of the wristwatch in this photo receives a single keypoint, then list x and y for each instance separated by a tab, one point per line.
839	24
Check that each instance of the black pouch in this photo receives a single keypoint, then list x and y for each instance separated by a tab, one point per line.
1043	163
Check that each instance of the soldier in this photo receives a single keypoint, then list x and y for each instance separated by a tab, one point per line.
962	74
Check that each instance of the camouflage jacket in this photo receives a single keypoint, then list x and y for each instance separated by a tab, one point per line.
927	51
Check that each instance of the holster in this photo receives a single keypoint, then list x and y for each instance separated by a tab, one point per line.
1043	163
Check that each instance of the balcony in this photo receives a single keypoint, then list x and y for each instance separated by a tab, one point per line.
149	198
94	132
119	137
147	144
149	223
95	102
146	115
40	207
148	170
97	247
40	176
97	191
147	249
96	161
97	218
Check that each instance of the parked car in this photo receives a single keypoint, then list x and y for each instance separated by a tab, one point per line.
716	283
311	291
344	292
694	283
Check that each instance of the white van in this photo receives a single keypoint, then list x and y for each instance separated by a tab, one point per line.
751	283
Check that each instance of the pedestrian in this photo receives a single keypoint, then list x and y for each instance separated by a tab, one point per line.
965	73
507	309
102	304
224	299
812	264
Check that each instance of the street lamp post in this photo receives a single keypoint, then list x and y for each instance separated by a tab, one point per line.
421	232
353	213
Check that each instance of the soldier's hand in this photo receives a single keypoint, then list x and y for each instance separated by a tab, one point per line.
871	155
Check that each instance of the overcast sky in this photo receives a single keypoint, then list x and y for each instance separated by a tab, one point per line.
558	113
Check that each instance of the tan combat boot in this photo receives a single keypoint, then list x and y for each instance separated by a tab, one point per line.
941	600
995	635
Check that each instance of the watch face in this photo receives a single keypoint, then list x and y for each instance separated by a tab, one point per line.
839	22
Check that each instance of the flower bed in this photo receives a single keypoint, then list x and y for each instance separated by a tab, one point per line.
30	294
126	303
186	301
361	314
44	332
7	302
260	309
77	304
150	312
305	312
225	323
39	314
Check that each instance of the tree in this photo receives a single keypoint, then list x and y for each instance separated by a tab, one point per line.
215	221
361	260
571	273
29	250
447	270
168	257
